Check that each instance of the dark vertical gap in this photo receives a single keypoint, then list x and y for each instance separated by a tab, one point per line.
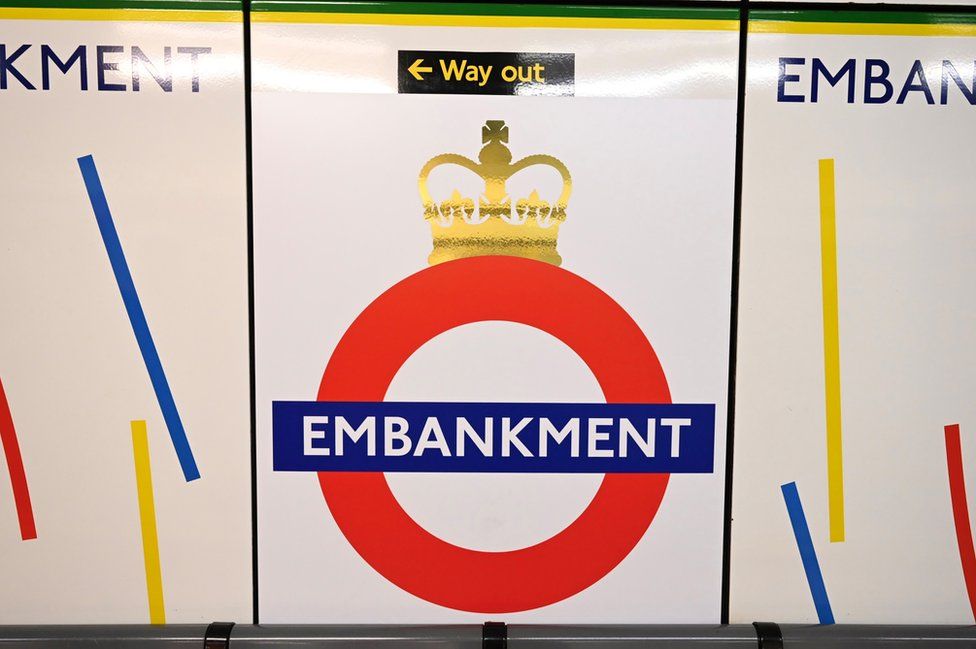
249	192
734	315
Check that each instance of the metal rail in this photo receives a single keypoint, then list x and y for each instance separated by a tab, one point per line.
498	636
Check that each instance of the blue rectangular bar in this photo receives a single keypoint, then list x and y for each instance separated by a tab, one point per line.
493	437
808	555
137	318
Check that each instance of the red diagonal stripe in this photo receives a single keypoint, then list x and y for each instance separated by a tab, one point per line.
15	466
960	511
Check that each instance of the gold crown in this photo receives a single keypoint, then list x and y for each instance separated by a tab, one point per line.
494	228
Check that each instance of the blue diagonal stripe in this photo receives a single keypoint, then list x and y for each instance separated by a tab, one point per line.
137	318
807	554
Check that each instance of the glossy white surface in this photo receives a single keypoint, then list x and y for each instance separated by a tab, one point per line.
905	237
338	220
172	167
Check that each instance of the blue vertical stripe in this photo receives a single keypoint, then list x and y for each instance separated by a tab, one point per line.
807	554
137	318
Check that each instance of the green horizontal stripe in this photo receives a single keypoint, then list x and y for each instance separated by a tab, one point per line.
853	16
182	5
484	9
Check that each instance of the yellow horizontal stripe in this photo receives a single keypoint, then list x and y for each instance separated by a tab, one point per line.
431	20
162	15
859	29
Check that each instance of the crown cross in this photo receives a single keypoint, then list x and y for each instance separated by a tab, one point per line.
494	130
494	228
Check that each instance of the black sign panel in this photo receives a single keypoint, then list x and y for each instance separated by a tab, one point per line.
486	73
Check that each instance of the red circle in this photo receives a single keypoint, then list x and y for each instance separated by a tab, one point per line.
480	289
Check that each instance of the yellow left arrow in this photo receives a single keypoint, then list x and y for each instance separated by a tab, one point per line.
416	68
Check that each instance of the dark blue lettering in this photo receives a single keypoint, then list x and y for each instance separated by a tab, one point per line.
103	65
48	56
785	78
922	85
819	69
871	79
164	80
7	65
949	70
194	53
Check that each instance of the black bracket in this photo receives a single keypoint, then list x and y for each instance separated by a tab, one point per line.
494	635
769	635
218	635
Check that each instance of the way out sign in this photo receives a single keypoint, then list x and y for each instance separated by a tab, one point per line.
485	73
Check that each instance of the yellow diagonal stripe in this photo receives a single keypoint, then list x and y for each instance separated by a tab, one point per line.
147	515
831	337
439	20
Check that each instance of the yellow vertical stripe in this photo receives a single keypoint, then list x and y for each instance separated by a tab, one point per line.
147	515
831	337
